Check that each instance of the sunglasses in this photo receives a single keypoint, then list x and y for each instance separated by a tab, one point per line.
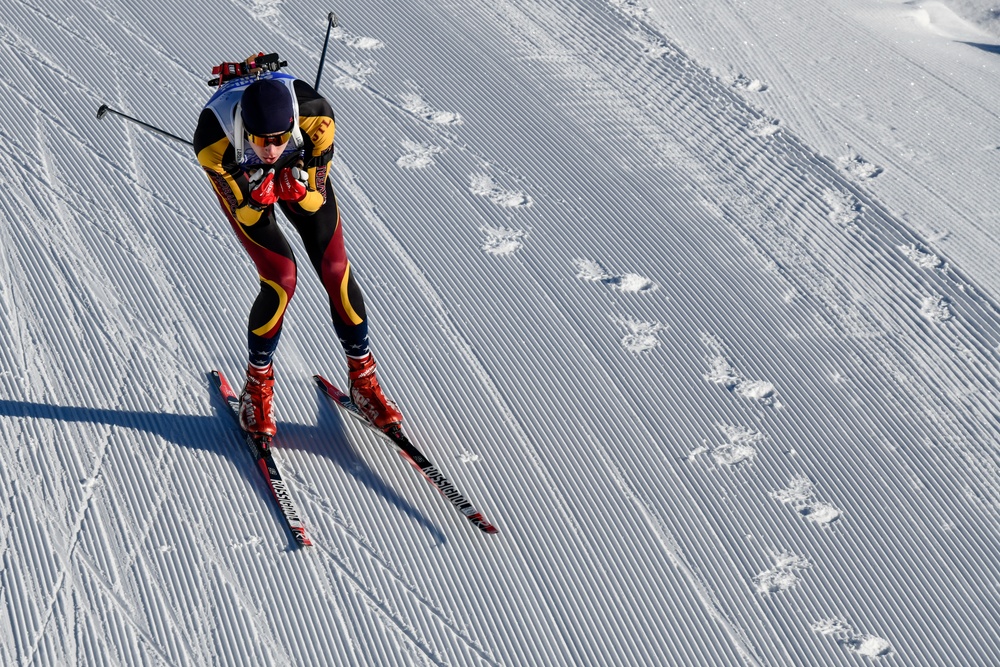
270	139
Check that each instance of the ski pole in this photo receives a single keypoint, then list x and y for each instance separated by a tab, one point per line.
332	22
105	109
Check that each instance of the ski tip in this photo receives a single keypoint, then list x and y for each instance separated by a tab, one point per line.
220	381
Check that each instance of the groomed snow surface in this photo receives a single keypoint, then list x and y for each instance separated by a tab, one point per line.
696	302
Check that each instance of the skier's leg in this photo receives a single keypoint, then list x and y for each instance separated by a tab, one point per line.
323	236
275	264
272	255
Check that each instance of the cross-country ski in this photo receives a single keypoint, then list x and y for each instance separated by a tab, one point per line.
260	449
406	449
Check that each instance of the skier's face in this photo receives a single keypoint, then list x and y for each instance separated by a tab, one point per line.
270	153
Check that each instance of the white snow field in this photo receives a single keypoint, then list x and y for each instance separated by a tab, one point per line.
696	302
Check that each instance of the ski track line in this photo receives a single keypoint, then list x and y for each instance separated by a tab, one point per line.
391	619
107	329
408	586
736	635
129	615
72	542
251	603
13	292
120	24
962	283
449	329
133	561
468	602
32	53
702	590
346	629
149	262
114	23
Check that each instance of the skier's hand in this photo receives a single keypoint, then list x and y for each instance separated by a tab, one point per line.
292	183
262	192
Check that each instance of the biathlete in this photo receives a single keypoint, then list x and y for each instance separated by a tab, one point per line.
265	139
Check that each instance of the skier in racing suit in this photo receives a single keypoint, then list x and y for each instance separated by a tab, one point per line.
266	140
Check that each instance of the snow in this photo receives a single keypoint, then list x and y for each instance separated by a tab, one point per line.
696	302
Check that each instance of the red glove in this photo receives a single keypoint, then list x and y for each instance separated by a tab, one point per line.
292	183
262	192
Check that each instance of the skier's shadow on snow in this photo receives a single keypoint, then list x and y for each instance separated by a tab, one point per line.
216	434
329	439
989	48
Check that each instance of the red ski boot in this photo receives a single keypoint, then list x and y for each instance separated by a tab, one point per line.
367	394
256	402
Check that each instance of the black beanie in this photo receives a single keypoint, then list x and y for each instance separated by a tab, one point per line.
266	107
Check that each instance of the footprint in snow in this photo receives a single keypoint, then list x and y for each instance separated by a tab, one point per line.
641	336
468	457
723	373
868	645
355	75
738	448
763	127
652	47
484	186
248	543
857	167
936	309
630	7
921	257
845	210
501	241
629	282
801	495
356	41
418	156
784	575
743	82
416	105
265	9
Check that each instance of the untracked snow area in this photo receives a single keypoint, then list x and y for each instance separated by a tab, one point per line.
696	302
